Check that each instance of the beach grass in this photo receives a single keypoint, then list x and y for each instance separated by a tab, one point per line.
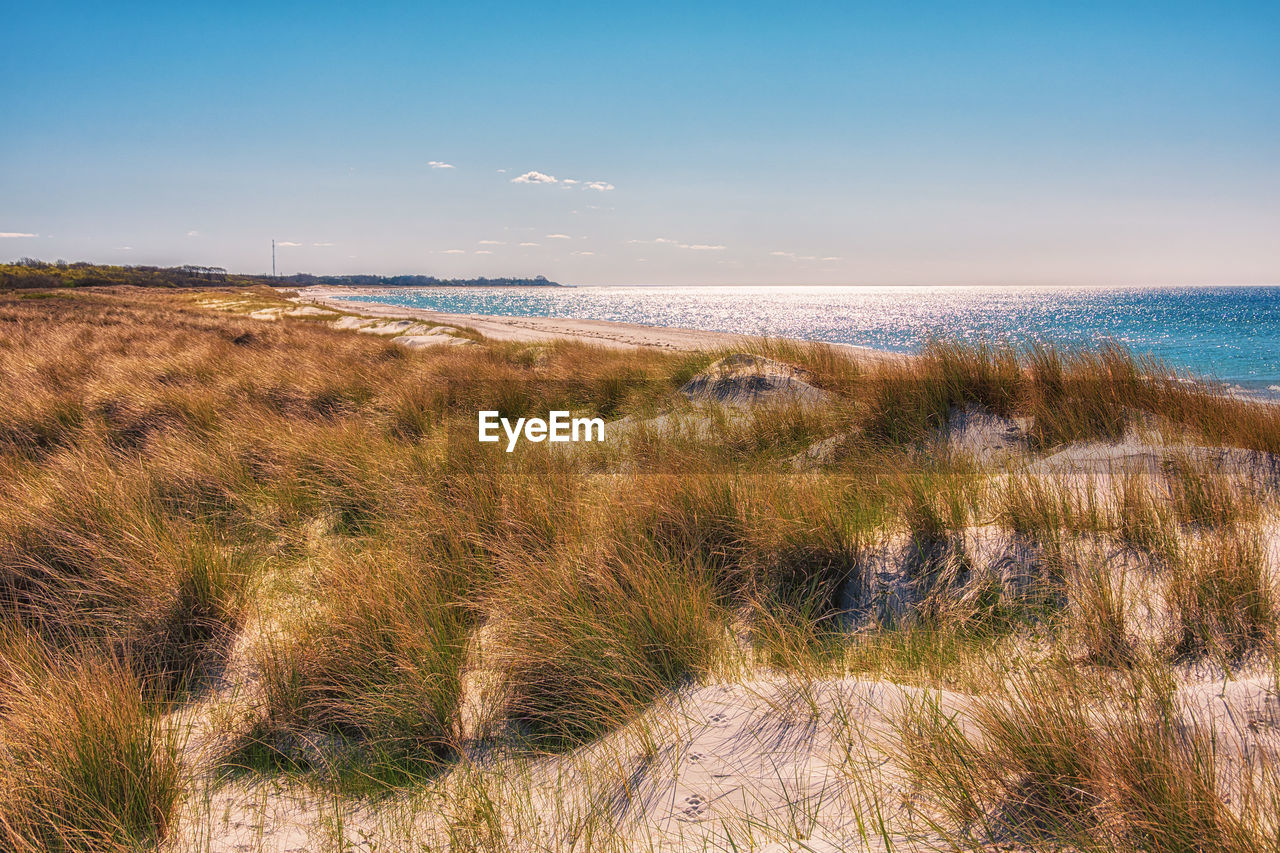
280	545
86	763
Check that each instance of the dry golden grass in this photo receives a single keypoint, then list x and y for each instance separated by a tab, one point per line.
586	643
85	764
173	478
1065	762
1222	598
379	664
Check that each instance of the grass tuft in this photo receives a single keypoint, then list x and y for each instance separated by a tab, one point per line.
1055	762
587	642
376	672
1222	599
85	763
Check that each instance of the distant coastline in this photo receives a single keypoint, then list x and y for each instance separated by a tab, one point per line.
33	273
307	280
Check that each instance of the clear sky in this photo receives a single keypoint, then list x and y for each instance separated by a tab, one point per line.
796	142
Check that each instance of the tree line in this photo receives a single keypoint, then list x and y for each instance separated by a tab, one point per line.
35	273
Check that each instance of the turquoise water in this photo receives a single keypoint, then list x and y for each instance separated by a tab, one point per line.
1227	333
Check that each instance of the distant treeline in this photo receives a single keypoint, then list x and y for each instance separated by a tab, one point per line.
29	272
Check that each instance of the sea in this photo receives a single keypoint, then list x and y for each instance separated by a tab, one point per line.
1227	334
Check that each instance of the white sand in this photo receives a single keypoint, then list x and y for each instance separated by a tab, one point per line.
539	329
773	764
427	340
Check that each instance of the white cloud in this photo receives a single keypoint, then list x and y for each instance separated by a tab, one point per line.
455	251
502	171
324	244
534	178
483	252
528	244
124	248
559	237
582	253
439	164
193	233
793	256
491	242
542	178
696	247
10	235
288	243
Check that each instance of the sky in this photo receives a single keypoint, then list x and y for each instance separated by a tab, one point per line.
655	143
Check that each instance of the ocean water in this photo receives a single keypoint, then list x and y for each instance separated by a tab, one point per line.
1230	334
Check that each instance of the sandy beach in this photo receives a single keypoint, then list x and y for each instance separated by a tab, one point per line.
534	329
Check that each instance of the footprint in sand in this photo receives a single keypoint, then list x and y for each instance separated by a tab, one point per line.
718	720
696	758
692	807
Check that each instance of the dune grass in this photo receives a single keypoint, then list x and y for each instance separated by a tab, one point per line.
1222	598
85	763
585	644
89	550
1060	762
186	493
379	667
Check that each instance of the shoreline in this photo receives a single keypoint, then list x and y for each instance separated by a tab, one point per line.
622	335
528	329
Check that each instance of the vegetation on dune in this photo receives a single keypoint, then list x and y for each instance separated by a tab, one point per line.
381	664
189	496
33	273
1057	761
585	643
85	764
1222	598
89	551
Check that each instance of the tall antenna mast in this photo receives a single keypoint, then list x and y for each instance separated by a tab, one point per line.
273	258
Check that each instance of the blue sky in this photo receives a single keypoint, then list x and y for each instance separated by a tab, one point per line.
932	143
